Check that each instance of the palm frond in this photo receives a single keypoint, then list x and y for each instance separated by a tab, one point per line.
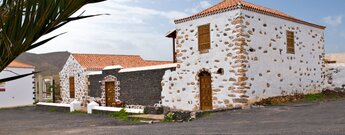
23	22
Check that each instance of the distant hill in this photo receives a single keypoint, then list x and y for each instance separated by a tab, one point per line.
48	63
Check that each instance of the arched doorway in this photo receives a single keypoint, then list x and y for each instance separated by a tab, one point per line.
205	91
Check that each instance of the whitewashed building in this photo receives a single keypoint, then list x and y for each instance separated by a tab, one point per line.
18	92
236	53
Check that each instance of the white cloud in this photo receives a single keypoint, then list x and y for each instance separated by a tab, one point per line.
129	29
199	6
343	35
205	4
333	21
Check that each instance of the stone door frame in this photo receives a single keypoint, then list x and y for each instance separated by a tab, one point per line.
110	78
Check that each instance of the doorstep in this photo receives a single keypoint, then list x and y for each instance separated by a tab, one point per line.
148	116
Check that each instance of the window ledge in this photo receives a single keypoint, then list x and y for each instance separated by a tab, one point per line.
204	51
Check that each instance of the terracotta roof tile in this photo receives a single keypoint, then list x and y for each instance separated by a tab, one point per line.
235	4
100	61
17	64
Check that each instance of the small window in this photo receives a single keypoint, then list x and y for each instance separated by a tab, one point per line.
71	87
220	71
290	42
204	39
2	87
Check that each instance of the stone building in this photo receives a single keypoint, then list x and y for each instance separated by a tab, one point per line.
74	76
236	53
116	86
47	79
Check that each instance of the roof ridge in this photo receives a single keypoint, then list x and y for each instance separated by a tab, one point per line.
245	4
104	54
227	5
158	60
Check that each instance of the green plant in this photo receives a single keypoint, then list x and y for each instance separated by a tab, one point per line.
52	110
122	114
49	101
77	112
169	117
314	97
206	114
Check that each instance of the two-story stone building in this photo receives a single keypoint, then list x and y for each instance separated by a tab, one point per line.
235	53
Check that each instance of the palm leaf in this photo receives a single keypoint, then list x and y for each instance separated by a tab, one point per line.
23	22
16	77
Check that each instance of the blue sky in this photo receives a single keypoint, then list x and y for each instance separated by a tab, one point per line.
137	27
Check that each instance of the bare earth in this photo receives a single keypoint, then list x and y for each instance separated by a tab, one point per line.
311	119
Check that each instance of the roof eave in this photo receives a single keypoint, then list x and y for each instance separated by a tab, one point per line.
241	6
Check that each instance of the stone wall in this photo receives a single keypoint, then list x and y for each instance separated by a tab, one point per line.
271	70
95	85
251	49
181	87
135	88
73	69
335	76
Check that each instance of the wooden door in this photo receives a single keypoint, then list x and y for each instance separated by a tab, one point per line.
71	87
205	91
110	93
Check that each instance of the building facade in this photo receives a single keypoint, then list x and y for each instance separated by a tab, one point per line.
75	76
19	92
236	53
116	86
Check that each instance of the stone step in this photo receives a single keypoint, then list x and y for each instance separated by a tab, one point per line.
148	116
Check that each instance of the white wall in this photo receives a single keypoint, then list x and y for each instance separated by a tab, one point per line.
18	92
282	73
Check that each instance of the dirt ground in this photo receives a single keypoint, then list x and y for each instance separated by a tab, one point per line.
321	118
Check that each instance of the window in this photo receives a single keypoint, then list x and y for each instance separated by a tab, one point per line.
290	42
2	87
71	87
204	39
220	71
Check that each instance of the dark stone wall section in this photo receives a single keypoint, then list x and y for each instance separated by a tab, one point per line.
136	88
95	86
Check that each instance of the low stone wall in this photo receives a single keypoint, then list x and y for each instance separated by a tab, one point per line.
52	108
153	110
181	116
335	76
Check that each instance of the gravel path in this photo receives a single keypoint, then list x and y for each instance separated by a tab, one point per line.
311	119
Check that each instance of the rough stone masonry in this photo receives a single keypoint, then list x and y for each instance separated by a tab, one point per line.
250	48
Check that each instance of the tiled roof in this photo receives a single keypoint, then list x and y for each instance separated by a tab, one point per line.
100	61
227	5
17	64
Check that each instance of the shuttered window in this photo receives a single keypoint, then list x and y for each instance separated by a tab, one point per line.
204	39
71	87
290	42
